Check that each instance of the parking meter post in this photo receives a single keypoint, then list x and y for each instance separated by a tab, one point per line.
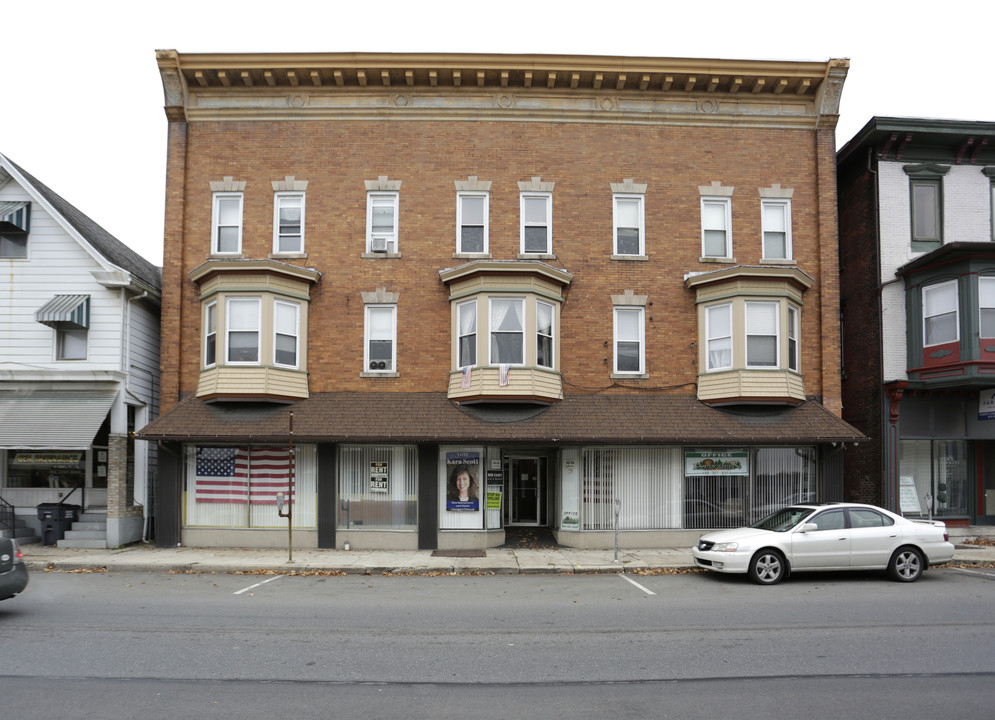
618	508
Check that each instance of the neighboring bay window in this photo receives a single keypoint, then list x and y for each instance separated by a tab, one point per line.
466	319
940	313
286	326
793	338
718	320
986	306
210	334
507	326
762	334
243	324
544	334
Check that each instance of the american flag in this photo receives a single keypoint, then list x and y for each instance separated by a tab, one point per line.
242	474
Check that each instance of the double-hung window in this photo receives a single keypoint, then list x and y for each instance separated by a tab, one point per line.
210	334
507	329
940	313
776	220
986	306
466	319
716	227
718	333
380	348
793	338
544	334
537	223
286	331
762	339
471	222
628	223
226	223
243	323
288	222
630	340
926	219
381	222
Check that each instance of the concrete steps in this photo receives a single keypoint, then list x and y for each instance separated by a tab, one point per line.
90	531
22	532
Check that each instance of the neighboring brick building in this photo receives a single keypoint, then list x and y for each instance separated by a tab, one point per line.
918	298
574	278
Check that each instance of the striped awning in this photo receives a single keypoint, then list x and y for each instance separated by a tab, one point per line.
15	212
65	312
39	419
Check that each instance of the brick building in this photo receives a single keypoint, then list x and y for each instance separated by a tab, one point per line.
568	280
918	294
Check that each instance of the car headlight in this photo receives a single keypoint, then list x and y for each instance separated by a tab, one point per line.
725	547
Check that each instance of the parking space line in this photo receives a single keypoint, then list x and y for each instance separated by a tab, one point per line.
974	572
628	579
251	587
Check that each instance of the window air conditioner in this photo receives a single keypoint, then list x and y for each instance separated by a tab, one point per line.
378	244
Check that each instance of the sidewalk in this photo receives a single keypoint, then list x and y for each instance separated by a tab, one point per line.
498	561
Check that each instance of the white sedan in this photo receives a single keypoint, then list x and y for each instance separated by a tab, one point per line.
833	536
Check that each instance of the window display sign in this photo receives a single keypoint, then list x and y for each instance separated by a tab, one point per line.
462	487
379	480
717	463
986	405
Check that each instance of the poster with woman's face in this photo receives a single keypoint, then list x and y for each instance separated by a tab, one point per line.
462	487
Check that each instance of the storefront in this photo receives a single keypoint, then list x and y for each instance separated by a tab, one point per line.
465	495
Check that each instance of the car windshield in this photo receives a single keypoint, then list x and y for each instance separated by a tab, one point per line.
783	520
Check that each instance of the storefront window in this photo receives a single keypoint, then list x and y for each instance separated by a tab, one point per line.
378	487
236	487
647	482
933	477
46	468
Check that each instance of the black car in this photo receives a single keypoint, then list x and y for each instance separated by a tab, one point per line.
13	572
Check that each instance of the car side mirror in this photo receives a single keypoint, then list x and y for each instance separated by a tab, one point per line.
808	527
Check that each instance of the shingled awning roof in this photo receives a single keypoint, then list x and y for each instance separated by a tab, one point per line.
432	417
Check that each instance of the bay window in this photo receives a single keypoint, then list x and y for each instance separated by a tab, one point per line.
507	331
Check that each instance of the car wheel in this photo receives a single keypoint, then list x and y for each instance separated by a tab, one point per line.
906	564
767	567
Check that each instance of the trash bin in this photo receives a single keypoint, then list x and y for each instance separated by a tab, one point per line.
55	519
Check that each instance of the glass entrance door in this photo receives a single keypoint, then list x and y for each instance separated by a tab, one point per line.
526	480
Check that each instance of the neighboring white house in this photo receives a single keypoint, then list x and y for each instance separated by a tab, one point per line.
79	366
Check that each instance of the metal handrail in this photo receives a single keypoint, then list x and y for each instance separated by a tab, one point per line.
6	515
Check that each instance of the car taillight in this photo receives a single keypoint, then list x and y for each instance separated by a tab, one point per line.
18	555
946	537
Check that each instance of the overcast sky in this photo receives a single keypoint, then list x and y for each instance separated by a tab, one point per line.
82	106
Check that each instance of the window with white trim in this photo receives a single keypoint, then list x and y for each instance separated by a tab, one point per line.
986	306
628	221
466	320
381	222
544	334
718	333
940	313
243	322
762	334
630	343
288	222
776	221
471	222
70	344
380	346
226	223
507	330
537	222
210	334
716	227
926	224
793	362
286	333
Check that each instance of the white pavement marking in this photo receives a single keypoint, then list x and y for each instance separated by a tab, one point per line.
626	578
251	587
974	572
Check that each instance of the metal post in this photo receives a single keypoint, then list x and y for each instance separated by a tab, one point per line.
618	509
290	496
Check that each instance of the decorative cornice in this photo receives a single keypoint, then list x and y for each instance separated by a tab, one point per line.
536	184
630	298
289	184
685	91
246	267
506	267
716	189
382	184
775	191
229	184
628	186
380	297
926	170
472	184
